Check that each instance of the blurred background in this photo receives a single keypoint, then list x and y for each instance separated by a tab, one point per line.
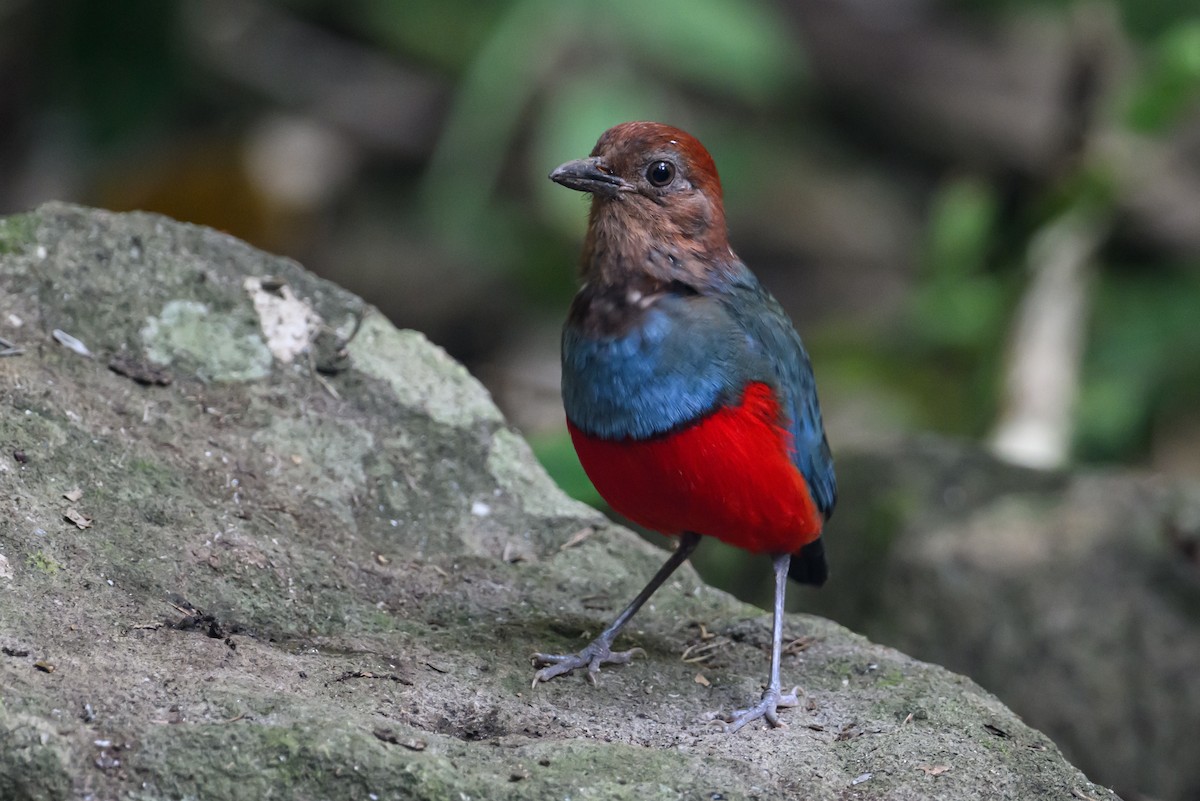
983	216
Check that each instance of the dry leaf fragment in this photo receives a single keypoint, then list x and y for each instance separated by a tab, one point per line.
140	370
81	520
702	651
73	495
996	730
386	735
366	674
577	537
933	770
799	644
390	736
702	681
848	732
70	343
9	348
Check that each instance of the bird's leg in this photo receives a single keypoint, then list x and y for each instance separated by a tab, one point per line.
773	699
599	651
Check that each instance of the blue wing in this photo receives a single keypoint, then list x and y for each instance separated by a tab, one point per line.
771	332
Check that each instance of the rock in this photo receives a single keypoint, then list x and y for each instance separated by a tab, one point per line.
1072	596
324	578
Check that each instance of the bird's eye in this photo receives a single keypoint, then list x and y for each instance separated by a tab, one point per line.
660	173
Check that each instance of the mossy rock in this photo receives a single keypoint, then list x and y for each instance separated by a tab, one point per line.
323	577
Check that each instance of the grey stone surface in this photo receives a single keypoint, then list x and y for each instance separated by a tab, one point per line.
1075	596
324	578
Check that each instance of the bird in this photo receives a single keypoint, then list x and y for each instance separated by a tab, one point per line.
689	396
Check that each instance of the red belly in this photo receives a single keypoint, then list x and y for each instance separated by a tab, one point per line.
729	476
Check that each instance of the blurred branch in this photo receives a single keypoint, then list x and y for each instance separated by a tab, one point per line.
306	69
993	98
1046	346
10	8
1160	186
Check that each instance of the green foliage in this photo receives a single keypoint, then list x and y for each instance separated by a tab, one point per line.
730	47
1144	19
1171	86
556	453
1151	18
16	232
587	66
442	33
957	312
961	222
961	308
959	303
118	69
43	563
1143	360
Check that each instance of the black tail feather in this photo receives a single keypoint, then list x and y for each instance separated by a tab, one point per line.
808	564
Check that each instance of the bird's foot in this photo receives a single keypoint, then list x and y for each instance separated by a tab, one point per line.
768	708
598	652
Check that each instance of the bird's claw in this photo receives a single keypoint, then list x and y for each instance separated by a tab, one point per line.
592	657
768	709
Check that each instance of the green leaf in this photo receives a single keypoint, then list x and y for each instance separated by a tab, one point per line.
444	33
556	453
966	313
1141	358
731	46
1171	86
962	221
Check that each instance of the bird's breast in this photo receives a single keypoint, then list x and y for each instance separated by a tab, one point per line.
728	475
664	370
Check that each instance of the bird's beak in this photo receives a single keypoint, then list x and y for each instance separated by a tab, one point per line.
590	175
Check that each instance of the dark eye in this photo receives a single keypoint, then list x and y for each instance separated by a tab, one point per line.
660	173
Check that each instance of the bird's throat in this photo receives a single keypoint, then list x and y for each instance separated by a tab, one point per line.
640	244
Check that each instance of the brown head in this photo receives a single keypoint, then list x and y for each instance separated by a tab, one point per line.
656	212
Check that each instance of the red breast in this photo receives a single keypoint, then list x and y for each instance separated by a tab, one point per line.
729	475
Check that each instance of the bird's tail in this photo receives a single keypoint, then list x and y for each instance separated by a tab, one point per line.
809	565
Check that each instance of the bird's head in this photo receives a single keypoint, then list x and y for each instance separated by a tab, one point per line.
656	206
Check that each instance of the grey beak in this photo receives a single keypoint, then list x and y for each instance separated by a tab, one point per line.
590	175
